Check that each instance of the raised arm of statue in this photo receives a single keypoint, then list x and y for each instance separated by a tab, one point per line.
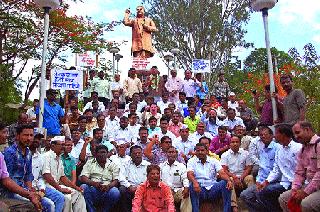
127	21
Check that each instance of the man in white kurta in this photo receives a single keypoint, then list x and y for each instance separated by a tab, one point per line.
174	86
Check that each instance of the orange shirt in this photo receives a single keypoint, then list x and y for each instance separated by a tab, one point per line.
153	199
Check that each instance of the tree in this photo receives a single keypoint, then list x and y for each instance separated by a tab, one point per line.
199	28
21	38
258	61
22	33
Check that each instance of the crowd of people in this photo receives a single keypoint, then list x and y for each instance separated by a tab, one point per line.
176	150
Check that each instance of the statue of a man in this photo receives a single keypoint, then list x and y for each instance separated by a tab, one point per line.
142	27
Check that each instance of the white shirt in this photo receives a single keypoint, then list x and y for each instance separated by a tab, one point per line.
184	146
139	116
110	125
37	165
232	123
121	134
161	134
236	162
132	175
233	105
175	176
53	165
101	106
189	87
76	150
31	114
205	173
255	146
285	164
119	160
140	105
134	130
196	136
162	105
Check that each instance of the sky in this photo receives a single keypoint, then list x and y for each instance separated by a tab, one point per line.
292	23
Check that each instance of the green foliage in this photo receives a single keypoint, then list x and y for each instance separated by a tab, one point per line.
199	28
257	61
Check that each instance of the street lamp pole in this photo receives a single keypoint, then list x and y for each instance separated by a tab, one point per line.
113	51
175	52
168	58
264	6
46	5
118	57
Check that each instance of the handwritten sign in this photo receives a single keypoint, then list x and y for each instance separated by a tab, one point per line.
140	63
87	59
67	80
200	66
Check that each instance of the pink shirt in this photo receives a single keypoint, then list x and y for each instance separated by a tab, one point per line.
216	144
175	129
150	199
308	167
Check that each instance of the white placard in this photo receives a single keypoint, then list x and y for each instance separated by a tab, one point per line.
200	66
140	63
87	59
67	80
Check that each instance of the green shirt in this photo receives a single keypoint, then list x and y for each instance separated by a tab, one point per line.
192	124
69	165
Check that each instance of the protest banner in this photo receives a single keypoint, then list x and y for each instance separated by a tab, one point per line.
140	63
67	80
87	59
200	66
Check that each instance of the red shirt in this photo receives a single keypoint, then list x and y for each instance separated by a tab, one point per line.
153	199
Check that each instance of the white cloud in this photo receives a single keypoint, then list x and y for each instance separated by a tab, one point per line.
316	39
290	11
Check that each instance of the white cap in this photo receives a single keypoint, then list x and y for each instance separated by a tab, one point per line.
232	94
121	141
58	138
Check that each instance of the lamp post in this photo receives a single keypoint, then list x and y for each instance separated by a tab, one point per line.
168	58
47	5
114	50
118	57
264	6
175	52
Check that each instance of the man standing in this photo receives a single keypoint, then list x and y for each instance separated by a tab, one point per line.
189	85
174	86
201	87
132	174
294	104
116	85
174	174
53	173
153	194
142	27
221	88
102	86
31	112
131	85
202	171
305	186
100	177
53	114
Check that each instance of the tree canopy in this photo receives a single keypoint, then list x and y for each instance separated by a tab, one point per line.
199	28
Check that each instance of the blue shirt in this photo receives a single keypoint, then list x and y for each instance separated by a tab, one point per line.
203	94
51	117
267	158
285	164
18	165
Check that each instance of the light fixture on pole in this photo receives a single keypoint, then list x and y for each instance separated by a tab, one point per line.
113	50
168	58
118	57
263	6
47	5
175	52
